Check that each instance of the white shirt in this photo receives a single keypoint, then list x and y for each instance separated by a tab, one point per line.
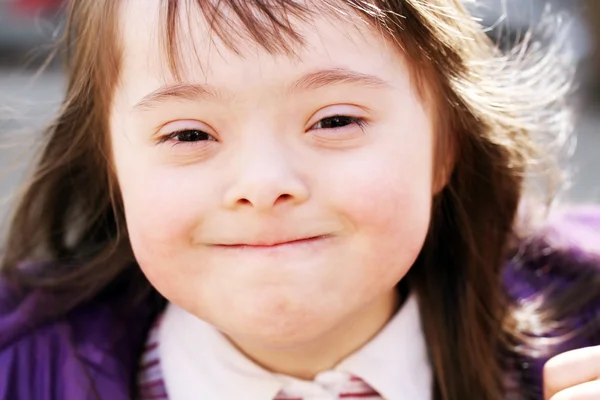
197	359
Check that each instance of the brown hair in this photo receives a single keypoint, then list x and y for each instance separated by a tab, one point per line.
490	107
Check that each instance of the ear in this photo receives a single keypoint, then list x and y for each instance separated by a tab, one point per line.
444	161
441	179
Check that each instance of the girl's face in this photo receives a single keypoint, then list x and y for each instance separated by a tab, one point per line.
275	197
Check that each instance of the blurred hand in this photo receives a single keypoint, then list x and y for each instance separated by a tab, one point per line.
574	375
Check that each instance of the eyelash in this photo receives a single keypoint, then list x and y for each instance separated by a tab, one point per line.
360	122
172	137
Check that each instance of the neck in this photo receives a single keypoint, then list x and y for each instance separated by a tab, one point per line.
304	362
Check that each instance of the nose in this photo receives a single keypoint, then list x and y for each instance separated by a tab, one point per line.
264	178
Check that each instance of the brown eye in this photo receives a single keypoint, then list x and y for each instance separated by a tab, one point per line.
191	135
337	121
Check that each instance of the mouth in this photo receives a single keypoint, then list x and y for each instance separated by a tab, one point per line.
266	245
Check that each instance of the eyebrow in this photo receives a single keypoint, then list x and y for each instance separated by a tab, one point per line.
337	76
177	91
310	81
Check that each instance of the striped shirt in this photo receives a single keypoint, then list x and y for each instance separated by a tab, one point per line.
150	381
177	365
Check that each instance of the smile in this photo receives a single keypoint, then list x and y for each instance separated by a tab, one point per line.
274	245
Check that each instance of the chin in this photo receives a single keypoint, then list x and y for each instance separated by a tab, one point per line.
277	338
277	329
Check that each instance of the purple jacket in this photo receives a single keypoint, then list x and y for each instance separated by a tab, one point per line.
98	345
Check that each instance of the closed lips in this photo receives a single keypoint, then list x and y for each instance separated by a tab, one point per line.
274	243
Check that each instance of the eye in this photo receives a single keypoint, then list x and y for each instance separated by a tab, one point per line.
187	136
338	121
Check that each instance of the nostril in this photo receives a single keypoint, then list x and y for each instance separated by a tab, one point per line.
284	197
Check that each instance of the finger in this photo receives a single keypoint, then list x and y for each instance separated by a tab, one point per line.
585	391
571	369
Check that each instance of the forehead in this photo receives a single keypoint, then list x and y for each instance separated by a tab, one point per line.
313	37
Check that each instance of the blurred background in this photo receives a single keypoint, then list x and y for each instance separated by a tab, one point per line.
28	99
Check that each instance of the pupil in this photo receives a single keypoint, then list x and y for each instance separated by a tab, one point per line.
336	122
192	136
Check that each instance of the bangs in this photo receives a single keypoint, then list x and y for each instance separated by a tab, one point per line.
271	25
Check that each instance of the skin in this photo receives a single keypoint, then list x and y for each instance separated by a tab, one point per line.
213	222
574	375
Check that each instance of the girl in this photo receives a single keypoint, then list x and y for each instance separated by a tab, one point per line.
285	199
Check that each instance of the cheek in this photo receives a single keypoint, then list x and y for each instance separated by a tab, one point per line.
387	201
392	220
162	210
